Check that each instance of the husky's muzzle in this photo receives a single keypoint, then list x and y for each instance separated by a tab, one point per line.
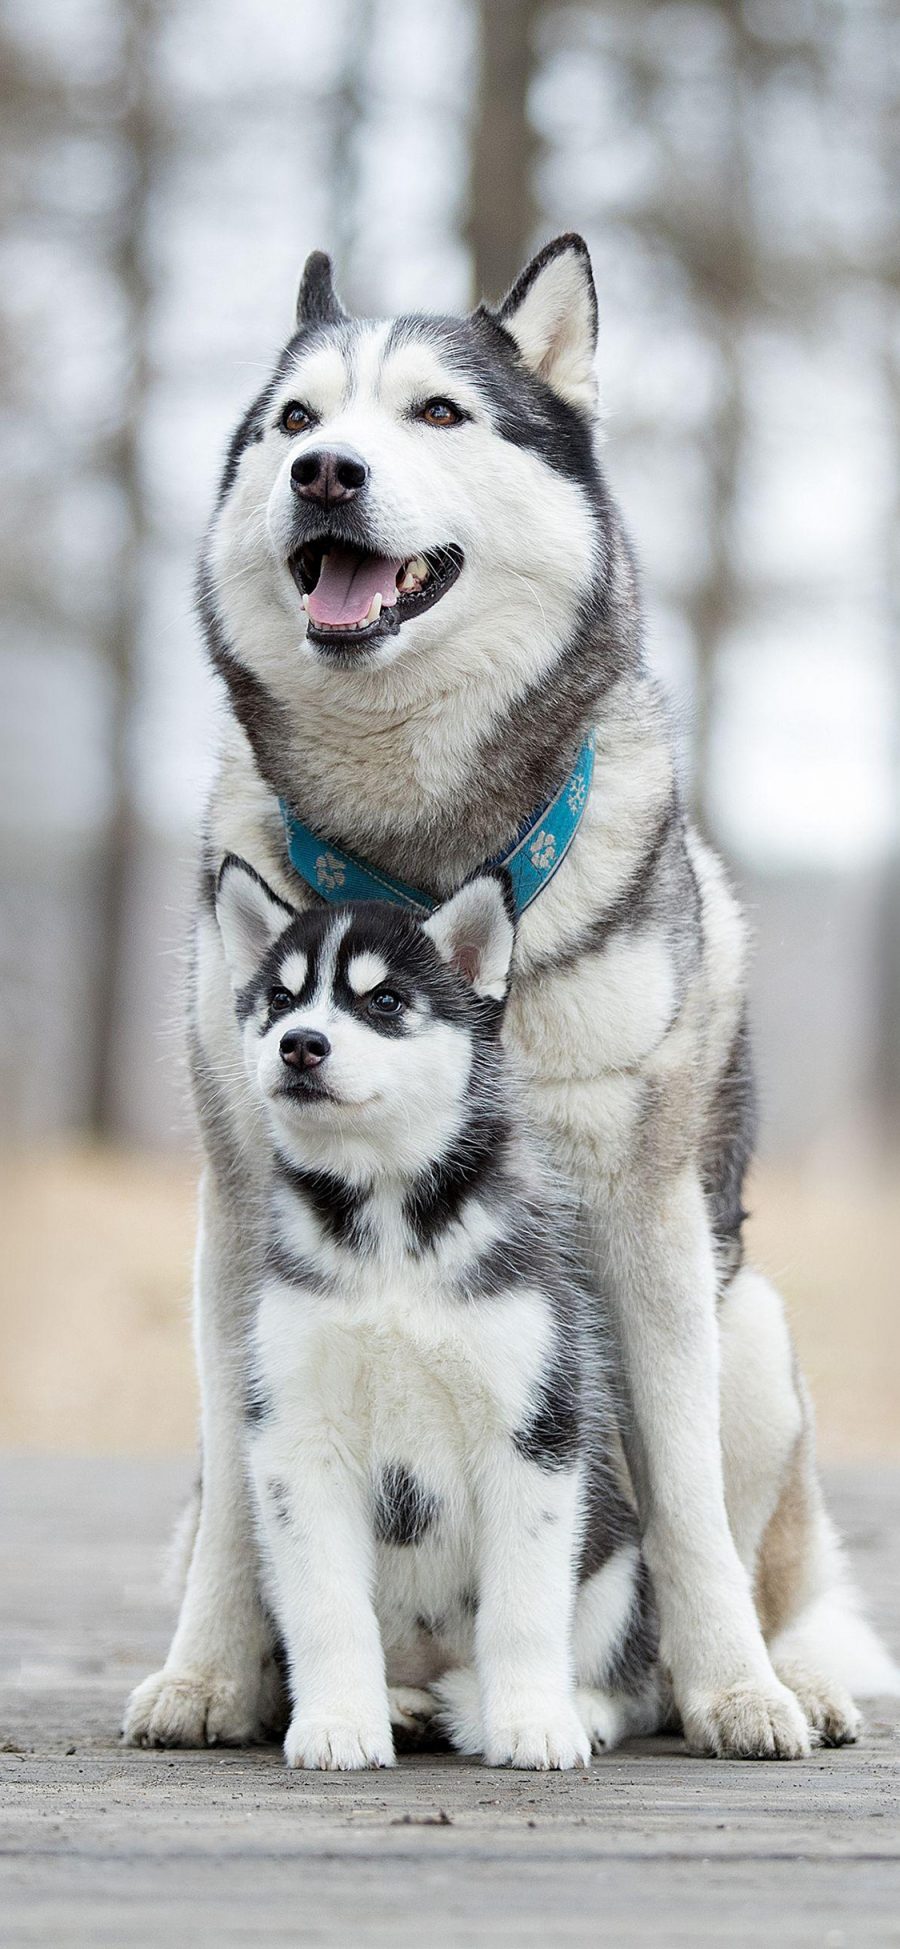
355	596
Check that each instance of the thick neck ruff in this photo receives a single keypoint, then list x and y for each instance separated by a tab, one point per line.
530	860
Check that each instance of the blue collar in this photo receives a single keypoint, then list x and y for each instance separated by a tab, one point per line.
530	860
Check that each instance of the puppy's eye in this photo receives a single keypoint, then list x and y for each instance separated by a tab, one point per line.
280	1001
440	412
296	418
384	1002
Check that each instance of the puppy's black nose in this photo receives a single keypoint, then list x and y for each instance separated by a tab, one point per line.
304	1048
328	476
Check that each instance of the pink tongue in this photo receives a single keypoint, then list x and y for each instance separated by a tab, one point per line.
347	582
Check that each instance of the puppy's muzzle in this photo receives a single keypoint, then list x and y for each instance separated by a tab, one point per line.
304	1049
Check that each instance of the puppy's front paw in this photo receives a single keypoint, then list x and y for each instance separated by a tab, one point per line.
336	1745
193	1708
537	1734
746	1721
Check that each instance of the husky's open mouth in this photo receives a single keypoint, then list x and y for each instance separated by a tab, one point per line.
353	597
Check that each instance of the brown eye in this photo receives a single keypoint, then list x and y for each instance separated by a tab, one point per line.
280	1001
296	418
440	412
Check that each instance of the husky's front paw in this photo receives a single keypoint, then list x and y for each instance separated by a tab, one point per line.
537	1734
193	1708
746	1721
336	1745
828	1707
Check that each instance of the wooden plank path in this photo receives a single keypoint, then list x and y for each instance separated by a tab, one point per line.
99	1845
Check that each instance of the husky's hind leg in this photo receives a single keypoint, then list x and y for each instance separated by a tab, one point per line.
820	1644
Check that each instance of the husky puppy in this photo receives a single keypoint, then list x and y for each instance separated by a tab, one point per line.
431	1435
420	600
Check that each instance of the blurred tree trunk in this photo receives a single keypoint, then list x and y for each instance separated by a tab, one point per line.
713	603
348	109
887	1050
722	259
503	212
117	847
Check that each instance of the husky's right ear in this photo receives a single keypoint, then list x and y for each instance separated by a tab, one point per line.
474	933
250	918
317	300
551	313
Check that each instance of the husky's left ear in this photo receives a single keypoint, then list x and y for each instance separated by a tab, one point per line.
474	933
317	300
551	312
250	918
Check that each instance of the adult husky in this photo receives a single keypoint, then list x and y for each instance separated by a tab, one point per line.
420	598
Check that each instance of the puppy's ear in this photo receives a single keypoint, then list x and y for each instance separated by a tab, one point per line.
250	918
551	313
474	934
317	300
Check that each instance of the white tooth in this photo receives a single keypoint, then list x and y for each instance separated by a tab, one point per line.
414	575
374	609
304	602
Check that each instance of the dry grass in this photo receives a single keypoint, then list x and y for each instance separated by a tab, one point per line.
95	1349
831	1241
94	1316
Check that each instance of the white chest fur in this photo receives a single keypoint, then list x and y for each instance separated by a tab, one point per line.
407	1391
395	1371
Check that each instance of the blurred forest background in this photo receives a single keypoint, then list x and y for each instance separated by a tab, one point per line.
166	165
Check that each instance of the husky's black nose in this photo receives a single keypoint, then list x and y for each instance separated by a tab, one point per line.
304	1048
329	475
